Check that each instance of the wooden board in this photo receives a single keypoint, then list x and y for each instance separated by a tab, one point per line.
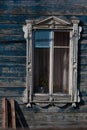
4	113
13	113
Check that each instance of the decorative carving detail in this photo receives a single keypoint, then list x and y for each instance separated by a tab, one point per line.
27	30
51	23
75	38
80	30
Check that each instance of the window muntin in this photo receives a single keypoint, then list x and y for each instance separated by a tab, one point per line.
46	44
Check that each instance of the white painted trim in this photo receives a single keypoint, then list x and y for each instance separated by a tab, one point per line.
70	63
73	56
58	20
61	47
25	93
31	69
51	67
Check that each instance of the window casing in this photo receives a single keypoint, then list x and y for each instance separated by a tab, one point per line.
52	61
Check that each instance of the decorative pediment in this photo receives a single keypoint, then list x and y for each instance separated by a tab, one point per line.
52	21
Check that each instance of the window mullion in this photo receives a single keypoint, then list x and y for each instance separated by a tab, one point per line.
51	66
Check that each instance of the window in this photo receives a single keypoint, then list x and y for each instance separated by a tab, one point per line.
52	60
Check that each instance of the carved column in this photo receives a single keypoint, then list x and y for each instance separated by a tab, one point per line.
28	36
75	38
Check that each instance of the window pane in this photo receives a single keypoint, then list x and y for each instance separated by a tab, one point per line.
43	38
41	70
61	70
61	38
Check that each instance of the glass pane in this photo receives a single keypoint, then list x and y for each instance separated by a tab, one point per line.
61	70
43	38
61	38
41	70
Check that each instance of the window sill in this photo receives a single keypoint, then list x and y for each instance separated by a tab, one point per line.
55	98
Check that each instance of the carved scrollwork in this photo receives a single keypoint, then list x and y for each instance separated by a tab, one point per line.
75	37
27	30
80	30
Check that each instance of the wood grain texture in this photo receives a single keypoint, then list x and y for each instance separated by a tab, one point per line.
50	7
13	45
5	113
13	113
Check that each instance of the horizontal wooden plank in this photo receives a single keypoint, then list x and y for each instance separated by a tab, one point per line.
83	91
13	53
16	19
83	68
9	71
13	60
84	31
13	49
83	42
54	7
84	98
82	59
82	46
12	74
49	117
16	66
20	19
8	36
84	37
11	91
11	37
83	52
12	69
12	82
82	81
12	31
10	26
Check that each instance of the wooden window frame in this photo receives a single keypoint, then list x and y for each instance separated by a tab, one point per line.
74	30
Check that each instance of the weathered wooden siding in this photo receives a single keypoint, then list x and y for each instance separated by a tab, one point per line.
13	14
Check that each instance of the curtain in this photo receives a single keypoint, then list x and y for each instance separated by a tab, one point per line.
43	39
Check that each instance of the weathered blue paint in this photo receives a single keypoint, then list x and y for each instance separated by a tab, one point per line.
10	49
13	14
34	6
12	42
12	60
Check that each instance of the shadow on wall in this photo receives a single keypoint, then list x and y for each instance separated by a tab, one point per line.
20	119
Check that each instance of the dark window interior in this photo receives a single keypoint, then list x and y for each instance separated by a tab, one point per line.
61	62
41	70
60	65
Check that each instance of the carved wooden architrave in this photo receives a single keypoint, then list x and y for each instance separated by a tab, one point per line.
57	24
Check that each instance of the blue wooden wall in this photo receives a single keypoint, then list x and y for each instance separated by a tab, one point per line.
13	45
13	14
